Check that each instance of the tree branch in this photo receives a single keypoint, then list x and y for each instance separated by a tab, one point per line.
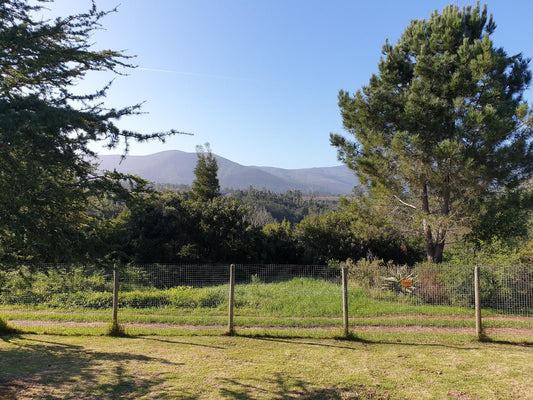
404	203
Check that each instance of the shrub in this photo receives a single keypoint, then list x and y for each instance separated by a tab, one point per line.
399	280
503	288
429	288
366	273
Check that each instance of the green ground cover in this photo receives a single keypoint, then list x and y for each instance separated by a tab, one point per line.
377	366
299	297
300	303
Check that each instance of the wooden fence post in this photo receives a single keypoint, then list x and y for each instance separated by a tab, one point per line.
231	329
345	300
479	327
115	295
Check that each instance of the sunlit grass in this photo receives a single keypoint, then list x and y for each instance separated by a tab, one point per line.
265	364
300	303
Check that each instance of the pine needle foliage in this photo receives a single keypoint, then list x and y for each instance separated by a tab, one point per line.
442	123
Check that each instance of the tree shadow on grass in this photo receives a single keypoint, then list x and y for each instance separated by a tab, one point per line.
526	343
354	339
155	339
35	368
283	387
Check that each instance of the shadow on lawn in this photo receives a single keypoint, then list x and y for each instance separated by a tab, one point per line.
35	368
283	387
155	339
354	339
474	345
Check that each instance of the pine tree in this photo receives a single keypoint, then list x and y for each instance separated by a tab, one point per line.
442	122
206	186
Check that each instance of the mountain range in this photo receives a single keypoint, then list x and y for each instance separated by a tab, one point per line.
177	168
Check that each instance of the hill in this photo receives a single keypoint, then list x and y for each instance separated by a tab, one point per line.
176	167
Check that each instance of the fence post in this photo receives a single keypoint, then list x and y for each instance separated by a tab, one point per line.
115	295
345	300
479	327
231	329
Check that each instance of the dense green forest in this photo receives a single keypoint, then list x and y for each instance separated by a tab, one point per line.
171	227
291	206
442	141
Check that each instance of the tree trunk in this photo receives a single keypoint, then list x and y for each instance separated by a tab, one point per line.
435	237
428	237
439	250
428	234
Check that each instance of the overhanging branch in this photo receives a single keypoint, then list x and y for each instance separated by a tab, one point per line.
404	203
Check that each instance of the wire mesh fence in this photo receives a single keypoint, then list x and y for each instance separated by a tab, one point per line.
267	296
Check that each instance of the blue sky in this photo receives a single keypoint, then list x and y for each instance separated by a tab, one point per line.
258	79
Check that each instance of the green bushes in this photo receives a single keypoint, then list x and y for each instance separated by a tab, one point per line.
52	286
365	273
77	288
502	288
176	297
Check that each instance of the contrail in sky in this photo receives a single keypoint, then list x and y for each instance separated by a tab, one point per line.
200	75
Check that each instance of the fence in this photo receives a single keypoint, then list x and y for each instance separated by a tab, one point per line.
268	297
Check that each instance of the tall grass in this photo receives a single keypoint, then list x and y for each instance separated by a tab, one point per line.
5	329
298	297
307	297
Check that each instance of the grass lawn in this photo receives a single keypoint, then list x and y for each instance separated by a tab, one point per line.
377	366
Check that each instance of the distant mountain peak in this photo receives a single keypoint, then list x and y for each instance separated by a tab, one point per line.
176	167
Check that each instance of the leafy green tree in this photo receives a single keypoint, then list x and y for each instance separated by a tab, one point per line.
221	231
503	216
443	121
358	229
206	186
280	244
155	228
47	177
166	227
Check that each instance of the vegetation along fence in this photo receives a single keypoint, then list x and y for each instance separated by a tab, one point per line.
267	298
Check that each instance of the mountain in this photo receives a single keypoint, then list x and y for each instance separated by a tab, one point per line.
176	167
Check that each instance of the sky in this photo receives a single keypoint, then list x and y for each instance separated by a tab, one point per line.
258	79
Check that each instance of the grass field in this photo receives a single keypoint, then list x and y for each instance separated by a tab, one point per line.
375	366
298	303
287	347
308	307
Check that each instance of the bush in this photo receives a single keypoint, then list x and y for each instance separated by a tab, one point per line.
366	274
430	286
502	288
399	280
54	286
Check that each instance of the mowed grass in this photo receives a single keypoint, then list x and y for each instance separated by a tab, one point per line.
376	366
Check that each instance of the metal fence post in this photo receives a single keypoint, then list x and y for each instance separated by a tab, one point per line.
115	295
479	326
345	300
231	329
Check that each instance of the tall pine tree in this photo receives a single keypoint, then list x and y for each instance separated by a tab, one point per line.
442	122
206	186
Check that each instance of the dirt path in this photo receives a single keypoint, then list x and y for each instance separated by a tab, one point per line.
383	328
517	318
